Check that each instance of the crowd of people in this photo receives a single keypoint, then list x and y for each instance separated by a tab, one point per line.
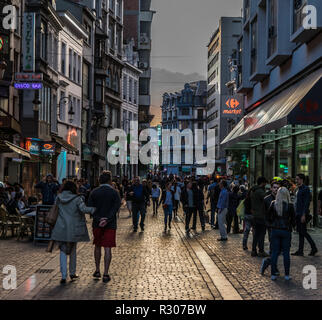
234	208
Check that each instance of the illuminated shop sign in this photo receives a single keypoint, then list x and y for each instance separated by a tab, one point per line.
47	148
28	76
28	85
232	106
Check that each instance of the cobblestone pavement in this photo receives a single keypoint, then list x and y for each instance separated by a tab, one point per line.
153	265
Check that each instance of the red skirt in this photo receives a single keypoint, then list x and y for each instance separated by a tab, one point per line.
104	237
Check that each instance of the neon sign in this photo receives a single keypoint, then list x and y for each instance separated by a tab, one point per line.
28	86
71	132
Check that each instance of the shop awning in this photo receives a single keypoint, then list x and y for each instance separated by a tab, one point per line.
63	143
7	147
299	104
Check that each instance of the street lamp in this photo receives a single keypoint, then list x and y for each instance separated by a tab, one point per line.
36	104
71	112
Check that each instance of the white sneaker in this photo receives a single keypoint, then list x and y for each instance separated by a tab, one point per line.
288	278
273	277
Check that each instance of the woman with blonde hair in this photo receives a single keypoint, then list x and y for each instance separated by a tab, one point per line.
281	216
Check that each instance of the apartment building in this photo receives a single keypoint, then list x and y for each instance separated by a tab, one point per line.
280	75
185	110
221	47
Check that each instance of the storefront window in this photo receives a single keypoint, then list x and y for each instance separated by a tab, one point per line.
269	168
305	155
285	158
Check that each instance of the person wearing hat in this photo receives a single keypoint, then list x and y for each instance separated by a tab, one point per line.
49	188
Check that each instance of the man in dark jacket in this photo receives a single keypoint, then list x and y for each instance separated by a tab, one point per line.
49	188
267	202
258	212
200	205
140	197
107	202
302	209
188	200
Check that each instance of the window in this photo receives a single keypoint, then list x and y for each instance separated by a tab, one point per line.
135	92
89	31
124	87
86	80
298	14
74	66
43	36
213	61
73	169
70	64
63	58
130	89
185	112
246	10
18	17
200	114
272	27
62	106
55	53
116	83
79	69
119	8
111	33
69	168
108	79
77	113
112	4
98	90
75	110
254	47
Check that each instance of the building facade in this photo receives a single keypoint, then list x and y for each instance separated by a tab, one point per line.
184	110
138	18
70	66
130	95
221	48
280	135
11	139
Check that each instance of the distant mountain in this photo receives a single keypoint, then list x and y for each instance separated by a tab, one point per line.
167	81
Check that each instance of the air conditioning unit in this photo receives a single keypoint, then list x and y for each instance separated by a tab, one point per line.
143	65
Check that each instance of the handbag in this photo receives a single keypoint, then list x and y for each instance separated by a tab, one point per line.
52	215
241	210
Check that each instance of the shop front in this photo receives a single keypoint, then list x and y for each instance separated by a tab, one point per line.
284	135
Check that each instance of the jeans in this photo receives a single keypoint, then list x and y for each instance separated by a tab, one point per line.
201	217
188	211
302	230
259	236
280	239
72	262
168	212
155	202
248	226
138	208
222	222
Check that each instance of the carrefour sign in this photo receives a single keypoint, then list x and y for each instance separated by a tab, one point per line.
232	106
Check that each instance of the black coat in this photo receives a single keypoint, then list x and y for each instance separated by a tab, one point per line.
107	202
286	221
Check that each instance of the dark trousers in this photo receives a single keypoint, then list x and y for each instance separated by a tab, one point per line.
280	240
155	202
259	236
213	208
232	216
302	230
201	217
189	212
138	208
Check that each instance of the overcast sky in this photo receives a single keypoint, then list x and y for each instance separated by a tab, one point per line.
181	30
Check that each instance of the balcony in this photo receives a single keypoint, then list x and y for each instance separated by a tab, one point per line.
9	124
100	64
146	16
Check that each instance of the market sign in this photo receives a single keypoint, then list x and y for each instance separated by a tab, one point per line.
28	85
232	106
29	41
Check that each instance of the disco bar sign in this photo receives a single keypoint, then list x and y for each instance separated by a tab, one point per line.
28	85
